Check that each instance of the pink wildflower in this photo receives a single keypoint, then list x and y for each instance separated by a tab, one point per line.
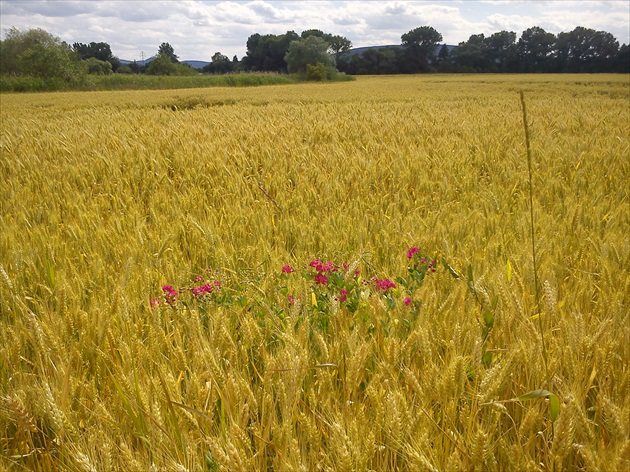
343	295
384	284
291	300
170	294
411	252
320	266
321	279
407	301
201	290
287	269
155	302
199	278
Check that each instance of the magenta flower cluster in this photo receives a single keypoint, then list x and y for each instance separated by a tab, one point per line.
326	270
170	294
205	289
329	282
322	268
412	251
383	284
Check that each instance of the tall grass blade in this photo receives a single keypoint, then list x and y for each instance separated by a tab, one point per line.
533	234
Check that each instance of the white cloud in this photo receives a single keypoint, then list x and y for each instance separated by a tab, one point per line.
265	10
516	23
199	28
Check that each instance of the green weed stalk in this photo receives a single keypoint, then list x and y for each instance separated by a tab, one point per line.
533	235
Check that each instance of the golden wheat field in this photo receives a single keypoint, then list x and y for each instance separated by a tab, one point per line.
106	197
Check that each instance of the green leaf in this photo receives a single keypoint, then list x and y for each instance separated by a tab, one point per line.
352	304
471	285
452	271
554	401
486	359
402	281
50	273
391	302
535	394
488	319
554	407
495	302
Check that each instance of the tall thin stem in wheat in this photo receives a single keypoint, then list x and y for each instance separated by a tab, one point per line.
533	234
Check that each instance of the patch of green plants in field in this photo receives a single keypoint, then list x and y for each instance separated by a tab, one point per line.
151	82
142	82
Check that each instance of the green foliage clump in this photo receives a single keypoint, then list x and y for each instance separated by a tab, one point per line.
98	67
319	72
162	65
310	51
37	53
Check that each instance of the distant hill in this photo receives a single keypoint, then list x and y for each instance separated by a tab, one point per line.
345	55
125	62
352	52
195	64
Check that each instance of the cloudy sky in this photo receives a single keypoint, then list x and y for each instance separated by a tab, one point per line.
198	28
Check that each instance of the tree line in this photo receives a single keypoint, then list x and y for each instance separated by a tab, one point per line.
580	50
317	55
37	53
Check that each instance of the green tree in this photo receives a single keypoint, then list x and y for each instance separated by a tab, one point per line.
310	51
98	67
420	44
536	50
266	53
443	54
167	50
318	33
339	44
336	44
502	54
37	53
586	50
101	51
220	64
622	61
470	56
162	65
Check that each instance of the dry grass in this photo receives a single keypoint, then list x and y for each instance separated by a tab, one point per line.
105	196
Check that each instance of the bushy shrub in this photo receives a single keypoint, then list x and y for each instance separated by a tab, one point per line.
319	72
37	53
97	67
162	65
305	52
